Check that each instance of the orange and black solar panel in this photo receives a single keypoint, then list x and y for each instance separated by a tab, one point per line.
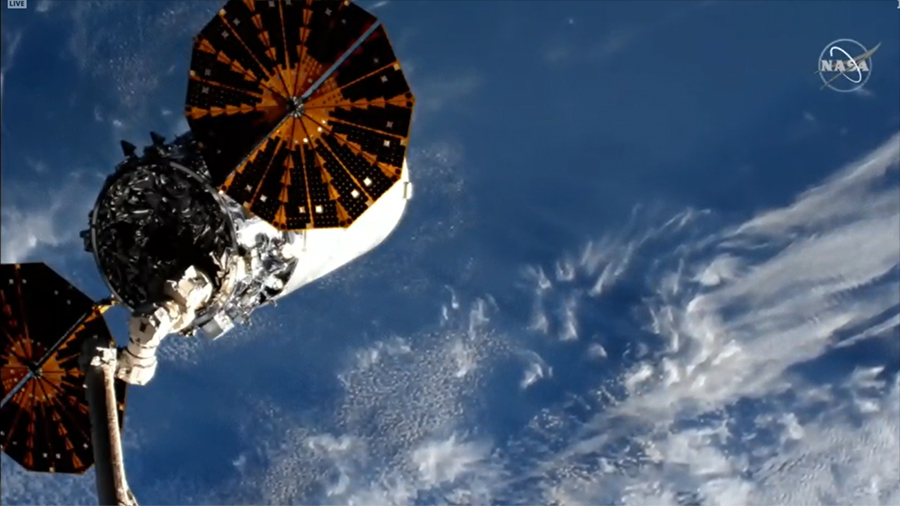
45	421
301	109
28	292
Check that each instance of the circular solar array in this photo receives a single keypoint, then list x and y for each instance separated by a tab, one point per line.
45	420
301	109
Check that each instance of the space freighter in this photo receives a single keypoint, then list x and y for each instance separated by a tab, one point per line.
294	165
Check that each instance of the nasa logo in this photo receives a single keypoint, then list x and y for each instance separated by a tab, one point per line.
845	65
16	4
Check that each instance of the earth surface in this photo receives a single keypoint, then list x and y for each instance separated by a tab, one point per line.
648	261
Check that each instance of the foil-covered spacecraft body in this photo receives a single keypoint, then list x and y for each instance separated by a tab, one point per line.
158	215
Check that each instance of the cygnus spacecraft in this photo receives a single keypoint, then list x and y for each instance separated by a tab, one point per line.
294	165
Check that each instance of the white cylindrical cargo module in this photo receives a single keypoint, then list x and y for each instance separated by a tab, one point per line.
321	251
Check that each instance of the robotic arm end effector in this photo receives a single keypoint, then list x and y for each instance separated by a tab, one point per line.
137	361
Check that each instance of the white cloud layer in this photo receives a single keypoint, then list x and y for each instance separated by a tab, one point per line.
47	218
11	42
711	405
44	5
737	313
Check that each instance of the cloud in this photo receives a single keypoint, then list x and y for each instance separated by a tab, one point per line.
11	42
556	52
435	93
24	487
864	92
444	461
807	126
38	166
34	219
397	419
439	93
837	199
842	457
44	5
178	126
737	314
611	43
617	40
536	369
104	45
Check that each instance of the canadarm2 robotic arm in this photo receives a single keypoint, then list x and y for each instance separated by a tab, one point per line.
137	362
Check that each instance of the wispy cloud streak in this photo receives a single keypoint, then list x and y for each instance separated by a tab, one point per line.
739	313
